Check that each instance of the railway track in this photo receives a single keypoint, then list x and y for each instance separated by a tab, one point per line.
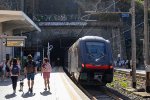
104	93
99	92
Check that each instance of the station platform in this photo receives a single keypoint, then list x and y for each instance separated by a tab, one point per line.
61	88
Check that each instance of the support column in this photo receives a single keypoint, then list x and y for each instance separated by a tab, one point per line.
119	45
1	44
146	46
133	45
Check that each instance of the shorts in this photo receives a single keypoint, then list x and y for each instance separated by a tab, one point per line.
30	76
46	74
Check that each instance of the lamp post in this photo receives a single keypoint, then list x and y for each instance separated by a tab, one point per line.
133	45
49	48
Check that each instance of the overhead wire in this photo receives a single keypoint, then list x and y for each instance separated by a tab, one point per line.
126	31
96	6
88	17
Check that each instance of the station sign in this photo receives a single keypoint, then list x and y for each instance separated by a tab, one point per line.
125	15
15	43
62	23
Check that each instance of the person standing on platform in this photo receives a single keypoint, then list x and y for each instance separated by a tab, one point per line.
30	71
46	70
14	72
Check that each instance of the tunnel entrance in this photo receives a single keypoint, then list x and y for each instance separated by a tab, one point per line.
58	55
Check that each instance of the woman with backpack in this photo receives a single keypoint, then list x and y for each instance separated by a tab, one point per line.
15	72
46	69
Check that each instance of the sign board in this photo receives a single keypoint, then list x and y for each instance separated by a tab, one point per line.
125	15
62	23
15	43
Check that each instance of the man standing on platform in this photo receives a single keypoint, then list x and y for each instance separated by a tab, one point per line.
30	71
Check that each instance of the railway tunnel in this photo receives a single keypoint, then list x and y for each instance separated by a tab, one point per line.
58	54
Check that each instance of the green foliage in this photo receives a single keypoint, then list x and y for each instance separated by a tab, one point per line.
140	1
119	80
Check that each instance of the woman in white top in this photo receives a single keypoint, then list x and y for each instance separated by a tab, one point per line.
46	69
14	72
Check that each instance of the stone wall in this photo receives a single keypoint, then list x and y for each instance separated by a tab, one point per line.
10	4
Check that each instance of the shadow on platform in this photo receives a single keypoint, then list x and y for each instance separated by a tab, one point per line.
45	93
9	96
8	81
27	94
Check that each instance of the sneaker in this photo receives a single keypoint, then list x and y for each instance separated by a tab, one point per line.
45	89
31	90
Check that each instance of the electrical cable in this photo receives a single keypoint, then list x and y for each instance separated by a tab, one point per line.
91	14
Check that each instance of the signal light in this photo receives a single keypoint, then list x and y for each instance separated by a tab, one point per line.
111	67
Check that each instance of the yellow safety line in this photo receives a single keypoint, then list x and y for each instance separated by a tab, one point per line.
67	86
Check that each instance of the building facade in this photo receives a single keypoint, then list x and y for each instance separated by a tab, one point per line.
13	20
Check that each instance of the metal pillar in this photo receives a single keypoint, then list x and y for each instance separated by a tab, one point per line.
49	48
146	46
133	45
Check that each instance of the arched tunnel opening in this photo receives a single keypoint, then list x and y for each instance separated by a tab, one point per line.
58	54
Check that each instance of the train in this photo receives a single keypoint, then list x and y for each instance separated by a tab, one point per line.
90	61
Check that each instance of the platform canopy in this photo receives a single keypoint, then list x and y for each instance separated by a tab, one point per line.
16	20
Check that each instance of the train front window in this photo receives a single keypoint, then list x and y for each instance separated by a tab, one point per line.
95	50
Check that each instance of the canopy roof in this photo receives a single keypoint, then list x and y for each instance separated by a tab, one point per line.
16	20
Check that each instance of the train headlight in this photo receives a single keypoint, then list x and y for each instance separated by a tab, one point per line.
83	65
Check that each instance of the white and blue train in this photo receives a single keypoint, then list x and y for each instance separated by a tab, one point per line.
90	61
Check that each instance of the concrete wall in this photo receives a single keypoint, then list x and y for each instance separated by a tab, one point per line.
53	33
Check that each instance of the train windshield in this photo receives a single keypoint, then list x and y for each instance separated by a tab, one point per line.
95	50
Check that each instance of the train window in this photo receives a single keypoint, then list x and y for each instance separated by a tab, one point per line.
96	49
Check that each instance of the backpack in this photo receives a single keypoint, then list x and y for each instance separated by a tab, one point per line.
15	69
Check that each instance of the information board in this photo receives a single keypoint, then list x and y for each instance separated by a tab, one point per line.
15	43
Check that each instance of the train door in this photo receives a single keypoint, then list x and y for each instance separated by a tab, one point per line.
73	67
77	70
